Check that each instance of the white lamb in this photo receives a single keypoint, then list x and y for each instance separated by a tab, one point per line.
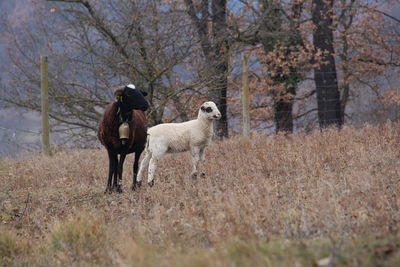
192	135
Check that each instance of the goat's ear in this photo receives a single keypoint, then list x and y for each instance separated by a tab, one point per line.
143	93
203	108
118	92
118	98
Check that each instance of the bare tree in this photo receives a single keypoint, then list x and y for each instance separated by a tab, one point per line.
366	51
94	46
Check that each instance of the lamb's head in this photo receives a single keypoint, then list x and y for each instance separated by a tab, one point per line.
130	98
210	111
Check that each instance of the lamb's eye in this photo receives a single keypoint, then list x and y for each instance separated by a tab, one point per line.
208	109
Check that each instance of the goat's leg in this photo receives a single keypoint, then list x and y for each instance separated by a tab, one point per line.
135	169
195	152
113	161
117	186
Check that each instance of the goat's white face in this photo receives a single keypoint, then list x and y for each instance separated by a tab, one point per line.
210	111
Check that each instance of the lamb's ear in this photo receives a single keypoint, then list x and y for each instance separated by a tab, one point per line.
203	108
143	93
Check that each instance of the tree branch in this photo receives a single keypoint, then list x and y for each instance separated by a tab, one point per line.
389	16
381	63
101	27
305	113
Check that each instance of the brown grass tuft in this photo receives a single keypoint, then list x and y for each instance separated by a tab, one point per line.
12	248
80	239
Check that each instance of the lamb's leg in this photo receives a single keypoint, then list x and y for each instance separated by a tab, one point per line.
201	162
156	151
135	169
143	166
113	161
195	152
152	169
117	186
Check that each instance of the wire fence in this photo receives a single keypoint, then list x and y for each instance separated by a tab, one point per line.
263	120
265	117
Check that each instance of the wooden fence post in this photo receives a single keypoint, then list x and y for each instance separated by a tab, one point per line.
245	96
44	69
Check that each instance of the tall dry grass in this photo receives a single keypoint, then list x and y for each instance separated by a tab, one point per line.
330	185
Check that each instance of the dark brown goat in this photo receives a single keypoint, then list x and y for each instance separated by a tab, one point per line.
129	107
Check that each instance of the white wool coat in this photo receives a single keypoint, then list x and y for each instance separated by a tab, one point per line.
180	137
192	135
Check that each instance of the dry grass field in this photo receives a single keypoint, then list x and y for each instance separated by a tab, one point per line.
325	198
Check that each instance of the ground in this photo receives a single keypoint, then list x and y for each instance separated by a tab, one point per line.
326	197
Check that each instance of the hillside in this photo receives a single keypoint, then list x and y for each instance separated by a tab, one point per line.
275	201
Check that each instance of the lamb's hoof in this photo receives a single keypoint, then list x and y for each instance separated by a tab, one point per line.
108	190
151	183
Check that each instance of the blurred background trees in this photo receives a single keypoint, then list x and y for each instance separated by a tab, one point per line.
311	62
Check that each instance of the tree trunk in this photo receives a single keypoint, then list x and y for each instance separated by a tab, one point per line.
215	48
221	51
283	111
219	96
328	95
274	35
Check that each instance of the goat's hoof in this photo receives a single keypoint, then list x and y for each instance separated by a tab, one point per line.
118	189
194	176
203	175
136	186
108	190
151	183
